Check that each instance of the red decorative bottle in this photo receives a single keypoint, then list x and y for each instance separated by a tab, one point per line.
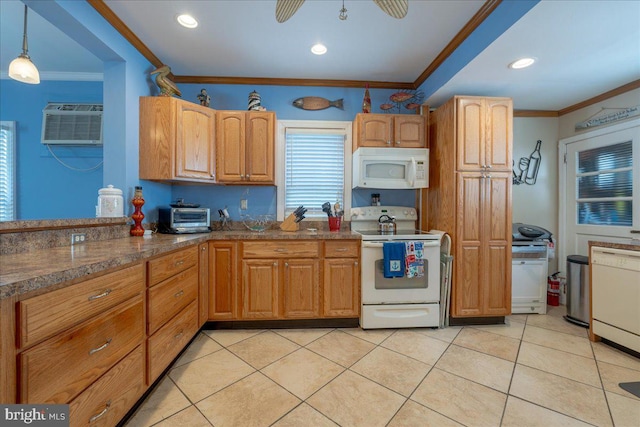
138	216
366	102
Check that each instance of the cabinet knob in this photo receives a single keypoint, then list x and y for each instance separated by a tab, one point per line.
286	264
204	248
248	176
355	263
397	142
388	142
275	264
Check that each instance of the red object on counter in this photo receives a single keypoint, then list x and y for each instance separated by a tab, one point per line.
334	223
138	216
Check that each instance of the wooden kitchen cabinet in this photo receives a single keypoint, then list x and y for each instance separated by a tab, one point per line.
260	286
245	143
176	140
109	399
280	279
172	307
301	289
85	351
469	197
223	282
341	282
70	339
483	245
484	134
389	130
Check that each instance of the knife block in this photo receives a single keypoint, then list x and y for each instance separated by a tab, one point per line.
290	224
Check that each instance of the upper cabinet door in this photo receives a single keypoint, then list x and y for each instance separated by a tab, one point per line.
259	147
408	131
499	138
374	130
230	139
471	133
176	140
195	149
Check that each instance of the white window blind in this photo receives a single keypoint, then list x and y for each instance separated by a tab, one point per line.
314	169
7	171
605	185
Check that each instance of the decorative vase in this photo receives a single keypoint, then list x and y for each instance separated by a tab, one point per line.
138	216
366	102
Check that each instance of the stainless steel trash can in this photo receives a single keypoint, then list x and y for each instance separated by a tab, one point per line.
578	290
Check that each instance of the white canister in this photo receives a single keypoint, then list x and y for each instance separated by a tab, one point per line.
110	203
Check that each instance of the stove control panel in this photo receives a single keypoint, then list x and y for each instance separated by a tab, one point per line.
369	213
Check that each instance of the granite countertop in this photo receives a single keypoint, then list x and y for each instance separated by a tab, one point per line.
30	271
625	246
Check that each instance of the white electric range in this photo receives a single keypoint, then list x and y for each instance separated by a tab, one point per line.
398	302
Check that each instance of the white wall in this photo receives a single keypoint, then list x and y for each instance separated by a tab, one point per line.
537	204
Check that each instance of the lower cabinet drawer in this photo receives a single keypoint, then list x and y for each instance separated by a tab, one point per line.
57	370
170	296
107	400
165	344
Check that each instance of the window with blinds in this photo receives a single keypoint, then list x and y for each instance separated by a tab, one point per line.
314	163
7	171
604	185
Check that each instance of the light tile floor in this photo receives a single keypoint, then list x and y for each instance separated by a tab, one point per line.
538	370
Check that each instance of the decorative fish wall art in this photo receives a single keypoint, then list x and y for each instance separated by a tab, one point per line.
316	103
409	99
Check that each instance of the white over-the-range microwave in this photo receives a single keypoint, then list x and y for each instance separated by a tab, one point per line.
391	168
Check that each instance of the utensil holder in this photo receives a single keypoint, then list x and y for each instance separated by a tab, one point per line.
334	223
290	224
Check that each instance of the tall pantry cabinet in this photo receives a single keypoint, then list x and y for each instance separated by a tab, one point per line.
469	197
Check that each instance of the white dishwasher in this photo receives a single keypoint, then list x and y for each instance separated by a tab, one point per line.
615	295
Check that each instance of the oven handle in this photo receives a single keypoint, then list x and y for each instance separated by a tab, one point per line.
425	243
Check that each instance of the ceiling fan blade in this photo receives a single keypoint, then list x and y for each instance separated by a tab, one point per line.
285	9
396	8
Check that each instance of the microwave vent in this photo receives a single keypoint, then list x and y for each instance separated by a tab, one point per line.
72	124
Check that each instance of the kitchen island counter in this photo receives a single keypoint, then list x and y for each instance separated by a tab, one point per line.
29	272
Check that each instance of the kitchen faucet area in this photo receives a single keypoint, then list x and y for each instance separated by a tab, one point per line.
284	213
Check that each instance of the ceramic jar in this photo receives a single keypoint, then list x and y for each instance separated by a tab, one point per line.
110	203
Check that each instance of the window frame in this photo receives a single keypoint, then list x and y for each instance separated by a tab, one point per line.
11	160
341	126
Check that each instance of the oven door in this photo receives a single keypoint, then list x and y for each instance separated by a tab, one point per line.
376	289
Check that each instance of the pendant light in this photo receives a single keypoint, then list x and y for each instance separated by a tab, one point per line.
21	68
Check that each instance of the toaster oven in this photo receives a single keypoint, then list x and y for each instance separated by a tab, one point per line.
184	220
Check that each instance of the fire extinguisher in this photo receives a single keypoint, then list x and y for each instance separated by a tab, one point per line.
553	289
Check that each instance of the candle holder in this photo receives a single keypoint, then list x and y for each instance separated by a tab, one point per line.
137	229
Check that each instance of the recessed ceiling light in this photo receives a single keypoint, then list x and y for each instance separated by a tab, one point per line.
522	63
187	21
319	49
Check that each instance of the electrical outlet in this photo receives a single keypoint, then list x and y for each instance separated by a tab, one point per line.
78	238
243	204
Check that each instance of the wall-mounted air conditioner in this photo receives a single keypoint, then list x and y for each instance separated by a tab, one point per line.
72	124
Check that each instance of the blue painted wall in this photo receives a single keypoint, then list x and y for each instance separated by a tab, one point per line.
41	179
126	78
262	199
